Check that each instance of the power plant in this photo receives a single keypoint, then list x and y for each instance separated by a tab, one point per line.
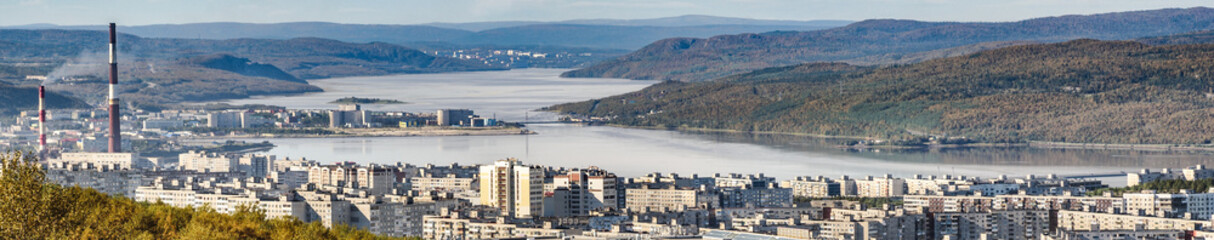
115	126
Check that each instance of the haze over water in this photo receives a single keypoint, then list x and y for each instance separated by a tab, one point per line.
632	152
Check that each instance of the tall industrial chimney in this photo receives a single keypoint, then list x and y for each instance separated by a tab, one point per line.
115	126
41	121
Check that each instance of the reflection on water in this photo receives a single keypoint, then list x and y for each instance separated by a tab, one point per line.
1014	156
632	152
508	95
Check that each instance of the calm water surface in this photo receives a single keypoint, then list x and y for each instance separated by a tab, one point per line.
629	152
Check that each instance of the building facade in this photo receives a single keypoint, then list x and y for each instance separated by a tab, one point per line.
516	189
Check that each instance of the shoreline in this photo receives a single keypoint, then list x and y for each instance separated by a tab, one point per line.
384	132
1029	144
1119	146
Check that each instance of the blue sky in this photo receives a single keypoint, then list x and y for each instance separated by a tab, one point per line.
143	12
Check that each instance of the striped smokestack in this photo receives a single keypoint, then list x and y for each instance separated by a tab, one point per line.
41	120
115	130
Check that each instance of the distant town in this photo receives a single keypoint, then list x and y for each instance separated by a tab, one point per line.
519	58
161	134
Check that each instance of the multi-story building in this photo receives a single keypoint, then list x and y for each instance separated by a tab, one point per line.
885	186
1091	221
585	190
349	115
1189	173
105	180
755	196
674	224
446	183
937	204
739	180
1121	234
695	181
1018	224
1180	205
235	119
121	160
1197	172
255	165
158	124
931	185
904	227
454	117
669	198
516	189
206	162
764	220
482	223
812	187
290	178
95	144
376	180
285	164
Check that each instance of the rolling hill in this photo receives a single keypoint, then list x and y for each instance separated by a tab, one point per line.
1204	36
1085	91
592	33
877	42
677	21
607	36
158	71
18	99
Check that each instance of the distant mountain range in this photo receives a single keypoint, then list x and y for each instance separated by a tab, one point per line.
1082	91
679	21
159	71
602	33
880	42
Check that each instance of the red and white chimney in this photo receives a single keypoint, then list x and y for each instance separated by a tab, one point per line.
41	120
115	126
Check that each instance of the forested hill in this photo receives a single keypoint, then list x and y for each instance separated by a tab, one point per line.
697	59
1085	91
1206	36
306	58
17	99
157	72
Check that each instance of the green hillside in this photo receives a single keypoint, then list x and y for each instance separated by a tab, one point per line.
1079	91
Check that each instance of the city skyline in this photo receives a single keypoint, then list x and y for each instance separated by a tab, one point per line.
148	12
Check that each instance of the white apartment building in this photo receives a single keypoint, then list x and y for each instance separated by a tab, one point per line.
516	189
376	180
739	180
670	198
884	186
448	183
122	160
812	187
206	162
1180	205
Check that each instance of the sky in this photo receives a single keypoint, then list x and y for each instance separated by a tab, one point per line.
145	12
